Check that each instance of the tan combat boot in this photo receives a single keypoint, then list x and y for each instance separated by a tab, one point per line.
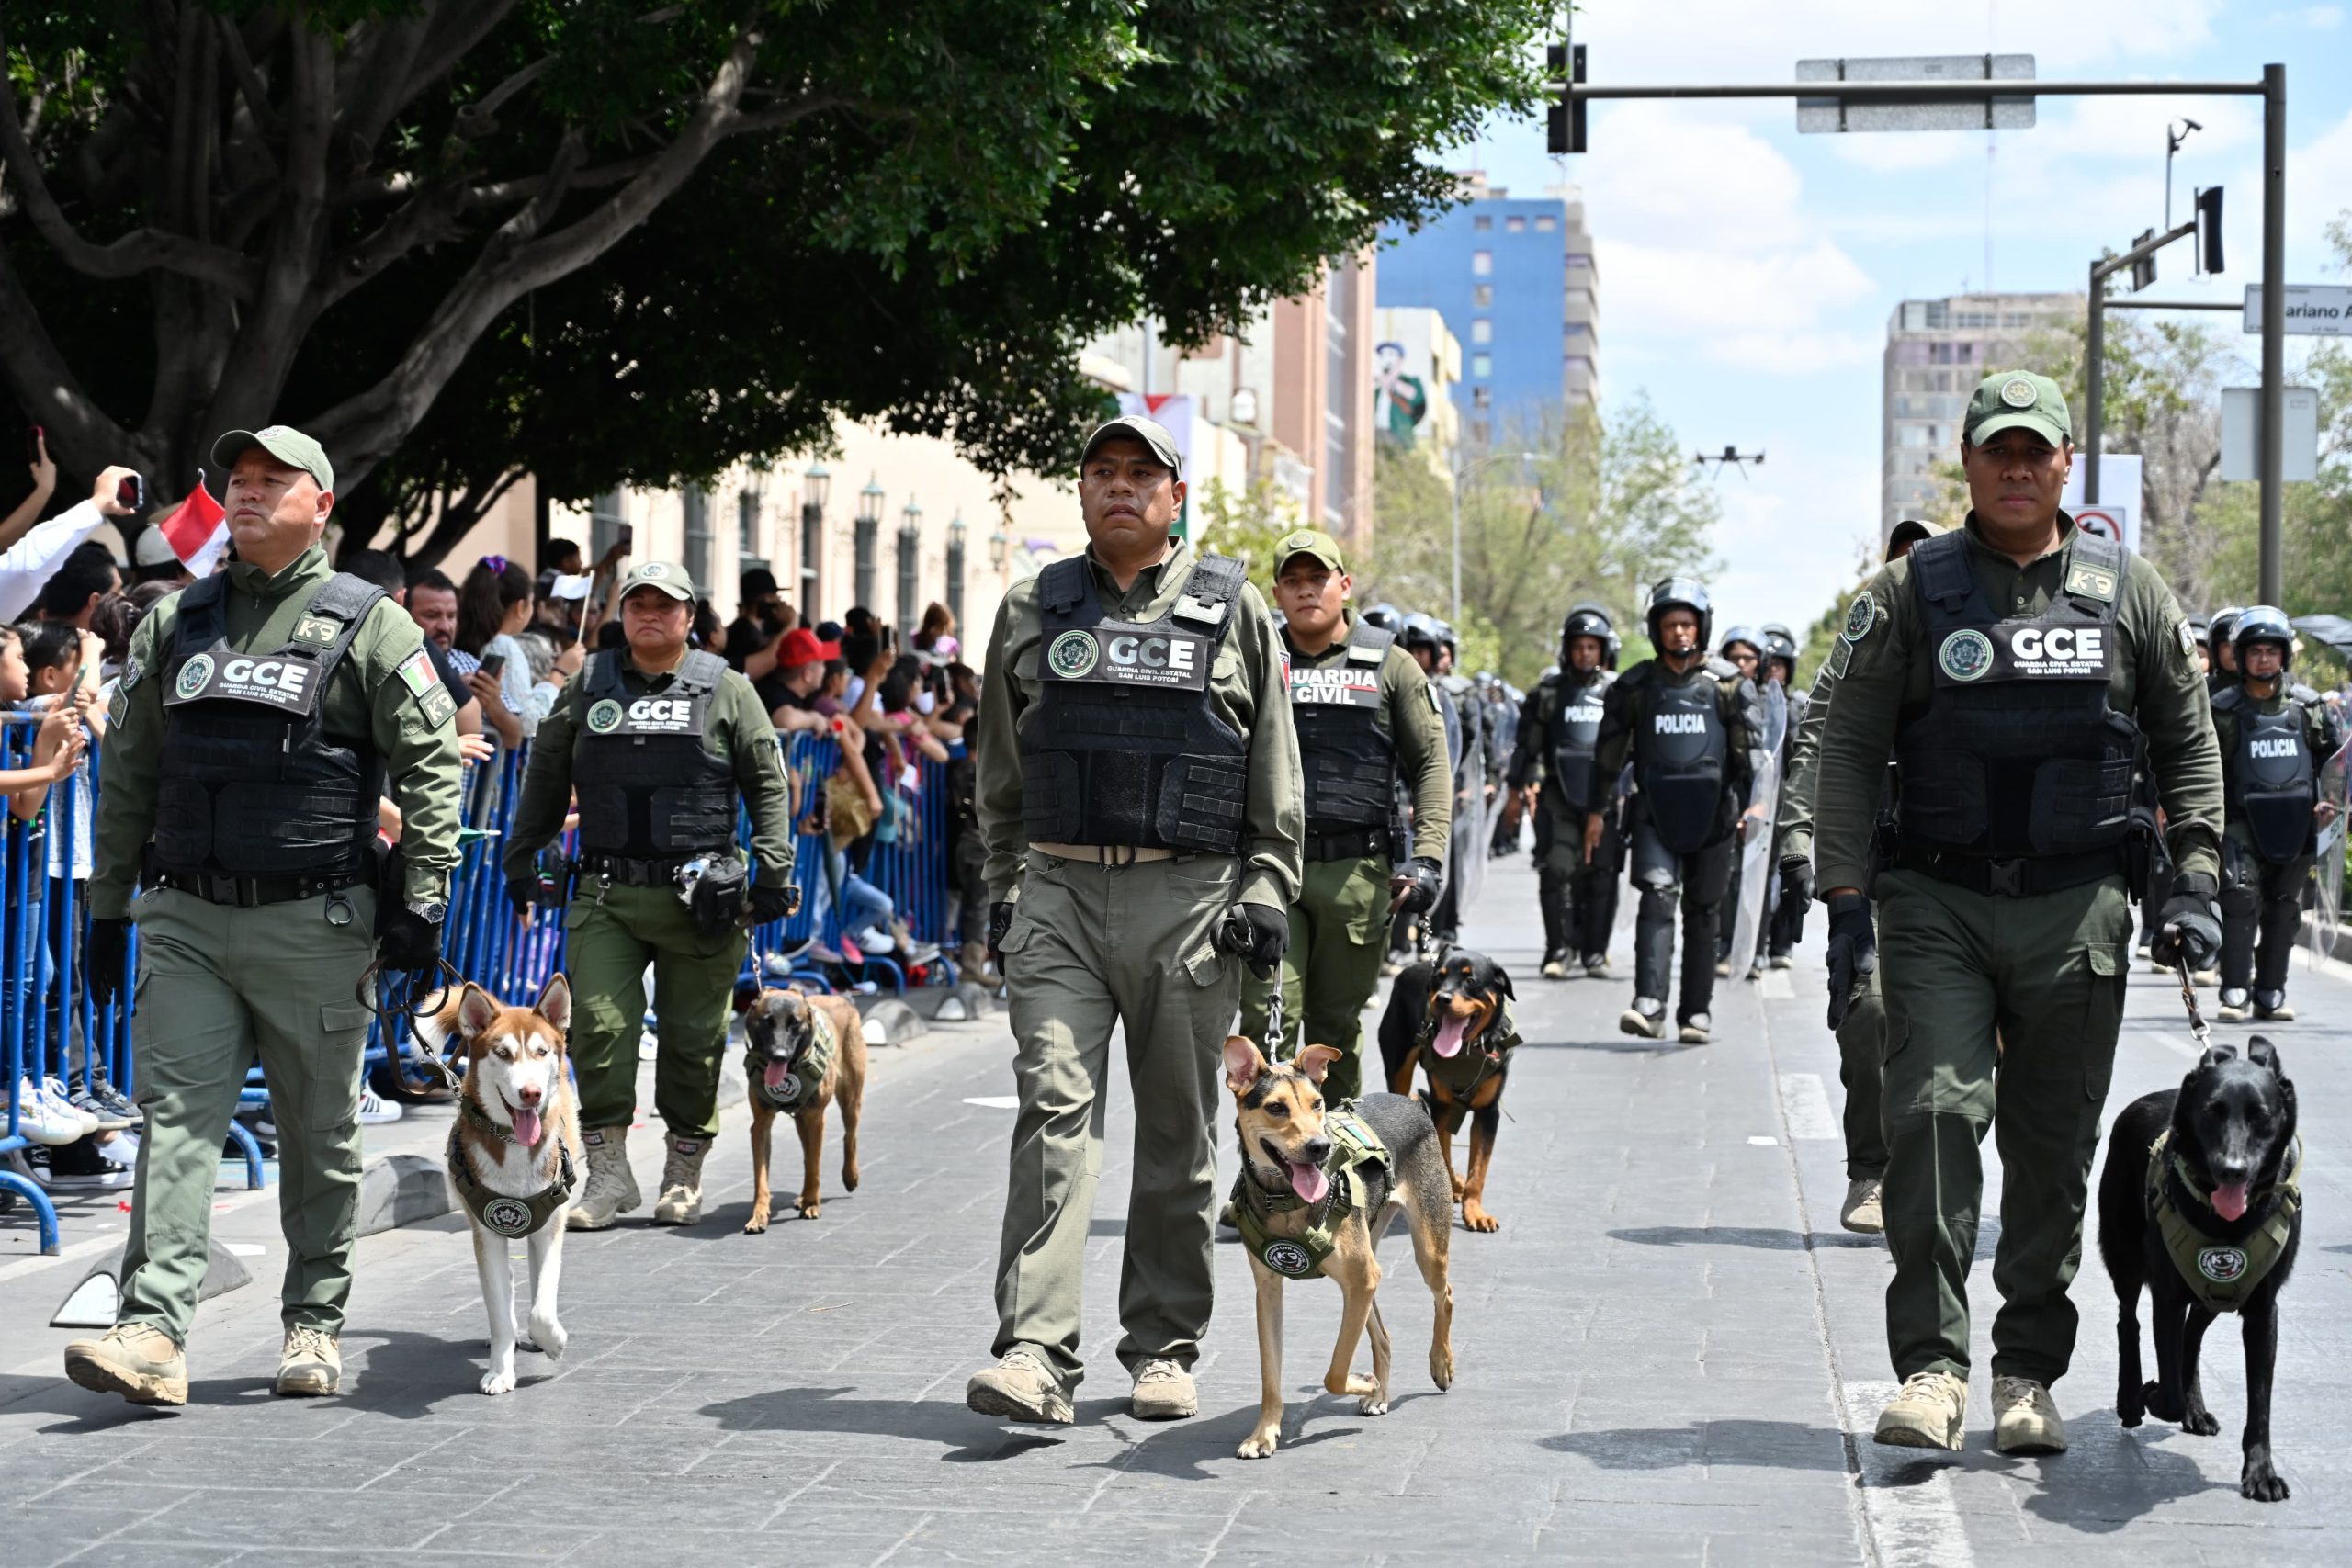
681	1200
136	1361
1862	1212
1163	1391
311	1366
1930	1412
1019	1387
2025	1418
611	1188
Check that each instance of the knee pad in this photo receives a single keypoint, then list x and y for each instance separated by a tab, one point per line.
1658	904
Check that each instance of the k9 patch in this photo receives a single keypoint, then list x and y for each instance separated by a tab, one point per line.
1113	656
2025	651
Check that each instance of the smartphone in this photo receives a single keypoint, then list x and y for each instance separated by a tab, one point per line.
491	663
131	492
33	438
627	538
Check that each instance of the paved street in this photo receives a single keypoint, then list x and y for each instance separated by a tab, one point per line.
1662	1355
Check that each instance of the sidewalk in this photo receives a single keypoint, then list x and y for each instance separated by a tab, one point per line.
1659	1355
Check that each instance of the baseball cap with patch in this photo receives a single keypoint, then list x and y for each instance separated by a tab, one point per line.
669	578
283	442
1312	542
2014	400
1134	427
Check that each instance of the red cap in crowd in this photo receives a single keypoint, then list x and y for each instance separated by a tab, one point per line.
801	646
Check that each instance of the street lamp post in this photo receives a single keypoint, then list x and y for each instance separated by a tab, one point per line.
868	535
815	486
909	568
956	532
1462	472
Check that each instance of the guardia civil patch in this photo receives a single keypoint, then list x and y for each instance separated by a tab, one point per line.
604	716
1966	655
2018	393
192	675
1072	655
416	673
1860	617
1287	1257
2222	1265
132	671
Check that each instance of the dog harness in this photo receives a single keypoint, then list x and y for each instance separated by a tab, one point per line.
2221	1274
503	1213
1354	1145
797	1092
1460	1074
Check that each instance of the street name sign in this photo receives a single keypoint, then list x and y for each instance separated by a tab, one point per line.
2003	112
2314	309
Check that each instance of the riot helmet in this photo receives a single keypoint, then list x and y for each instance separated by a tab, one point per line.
2264	623
1588	620
1748	635
1384	616
1683	592
1419	630
1782	643
2218	630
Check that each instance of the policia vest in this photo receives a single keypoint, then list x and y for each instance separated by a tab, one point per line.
250	783
2221	1274
1572	721
1678	757
649	788
1358	1171
2015	774
2271	775
1126	747
1349	760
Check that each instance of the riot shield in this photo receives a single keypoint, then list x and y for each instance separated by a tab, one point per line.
1755	848
1474	829
2327	903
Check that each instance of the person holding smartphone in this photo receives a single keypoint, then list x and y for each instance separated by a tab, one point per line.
31	553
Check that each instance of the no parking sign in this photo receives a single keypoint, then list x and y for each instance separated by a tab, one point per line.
2109	521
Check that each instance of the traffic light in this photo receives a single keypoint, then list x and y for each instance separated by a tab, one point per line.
2143	271
1564	123
2209	228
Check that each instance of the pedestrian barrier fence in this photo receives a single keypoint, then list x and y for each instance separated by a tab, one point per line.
47	1014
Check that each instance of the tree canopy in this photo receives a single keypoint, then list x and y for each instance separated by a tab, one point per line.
459	239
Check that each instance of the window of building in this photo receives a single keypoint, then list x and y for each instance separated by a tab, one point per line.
1912	436
1482	330
1579	258
1482	366
1546	223
1483	296
748	553
696	554
1482	264
1483	222
1514	225
1576	329
1482	398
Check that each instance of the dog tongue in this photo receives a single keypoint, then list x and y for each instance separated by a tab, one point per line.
777	1072
1449	1036
1309	1181
526	1127
2230	1202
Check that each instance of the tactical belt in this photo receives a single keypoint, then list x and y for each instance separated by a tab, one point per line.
661	873
1353	845
252	892
1106	854
2021	878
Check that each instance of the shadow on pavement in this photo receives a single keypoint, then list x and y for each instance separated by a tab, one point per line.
1770	1239
2129	1478
966	1438
1625	1047
1178	1449
1768	1445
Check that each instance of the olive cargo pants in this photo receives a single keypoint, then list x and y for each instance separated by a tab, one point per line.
609	941
1862	1051
220	986
2048	973
1336	932
1091	947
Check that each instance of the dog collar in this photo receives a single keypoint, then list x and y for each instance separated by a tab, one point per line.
801	1086
2221	1272
1354	1145
502	1213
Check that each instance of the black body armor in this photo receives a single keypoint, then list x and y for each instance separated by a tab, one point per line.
2271	775
250	783
1349	760
649	790
1678	757
2016	756
1126	747
1572	722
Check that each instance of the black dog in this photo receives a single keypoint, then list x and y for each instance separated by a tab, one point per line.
1451	1019
2200	1203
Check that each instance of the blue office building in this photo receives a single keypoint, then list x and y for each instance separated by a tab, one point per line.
1515	281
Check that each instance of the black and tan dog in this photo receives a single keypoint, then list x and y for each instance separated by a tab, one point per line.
1316	1192
803	1053
1451	1017
2201	1202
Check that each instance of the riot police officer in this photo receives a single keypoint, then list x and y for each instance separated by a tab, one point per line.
1139	787
2273	734
1557	751
2220	652
660	743
1428	639
1742	648
1366	723
1688	722
263	715
2013	668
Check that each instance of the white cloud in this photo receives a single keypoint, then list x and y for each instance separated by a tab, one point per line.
1792	534
2314	19
1749	40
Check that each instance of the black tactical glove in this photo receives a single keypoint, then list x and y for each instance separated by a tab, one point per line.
2189	927
103	953
999	923
523	892
1854	952
772	904
1422	877
1256	934
1796	889
410	943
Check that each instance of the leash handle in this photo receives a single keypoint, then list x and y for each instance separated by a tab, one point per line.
2196	1025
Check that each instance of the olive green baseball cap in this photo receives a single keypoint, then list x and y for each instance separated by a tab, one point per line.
2015	399
1134	427
1309	542
667	576
1910	531
283	442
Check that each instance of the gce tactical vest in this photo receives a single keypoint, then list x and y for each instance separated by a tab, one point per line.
1678	754
2272	778
1126	747
649	788
1351	761
249	783
1572	717
2016	754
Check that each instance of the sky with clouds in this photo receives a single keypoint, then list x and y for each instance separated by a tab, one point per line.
1748	273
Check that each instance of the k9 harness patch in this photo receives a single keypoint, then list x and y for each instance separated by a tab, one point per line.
2025	651
1113	656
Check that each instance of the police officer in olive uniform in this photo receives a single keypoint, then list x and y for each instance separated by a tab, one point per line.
1688	722
660	743
2014	667
2274	735
1559	740
263	714
1366	720
1139	792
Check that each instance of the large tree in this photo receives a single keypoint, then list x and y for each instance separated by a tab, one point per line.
458	239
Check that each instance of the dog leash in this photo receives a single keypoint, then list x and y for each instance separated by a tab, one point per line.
1277	1035
373	1000
2196	1025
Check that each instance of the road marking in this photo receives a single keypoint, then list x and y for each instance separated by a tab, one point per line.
1765	1142
1806	1104
1777	986
995	1101
1907	1492
64	1255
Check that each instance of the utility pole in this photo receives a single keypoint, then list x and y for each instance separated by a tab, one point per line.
2273	330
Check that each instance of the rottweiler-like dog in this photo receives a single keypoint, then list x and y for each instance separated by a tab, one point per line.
1450	1016
2200	1201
